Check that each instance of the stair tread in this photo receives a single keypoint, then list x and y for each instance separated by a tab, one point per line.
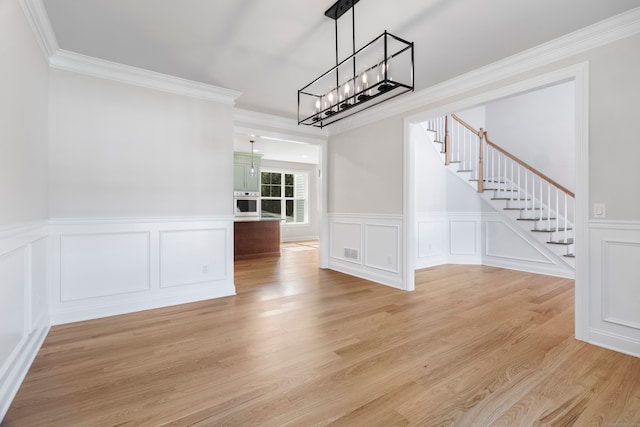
509	198
523	209
569	255
536	219
455	161
485	180
464	170
553	230
561	242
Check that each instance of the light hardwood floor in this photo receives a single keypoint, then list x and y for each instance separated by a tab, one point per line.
299	346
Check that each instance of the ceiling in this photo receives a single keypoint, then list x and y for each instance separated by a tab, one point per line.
268	49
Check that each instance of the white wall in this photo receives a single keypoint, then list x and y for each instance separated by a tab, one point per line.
539	128
118	150
23	120
365	168
311	230
23	199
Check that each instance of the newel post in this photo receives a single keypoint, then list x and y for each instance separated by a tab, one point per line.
447	141
481	161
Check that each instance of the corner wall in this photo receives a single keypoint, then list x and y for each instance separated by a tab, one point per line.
24	320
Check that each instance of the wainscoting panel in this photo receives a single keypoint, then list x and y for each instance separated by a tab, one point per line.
382	247
24	320
502	241
481	238
615	285
346	241
367	246
431	240
620	283
104	267
463	234
192	256
97	265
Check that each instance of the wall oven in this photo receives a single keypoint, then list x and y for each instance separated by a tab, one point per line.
246	203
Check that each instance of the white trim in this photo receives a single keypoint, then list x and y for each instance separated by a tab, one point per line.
367	216
581	227
599	224
607	31
18	370
135	220
38	19
101	68
249	120
615	342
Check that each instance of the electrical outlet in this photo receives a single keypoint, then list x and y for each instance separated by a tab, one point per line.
599	210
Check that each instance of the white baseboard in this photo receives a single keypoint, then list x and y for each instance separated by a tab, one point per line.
614	342
12	380
127	304
367	274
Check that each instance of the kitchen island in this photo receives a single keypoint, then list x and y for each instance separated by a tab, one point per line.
256	238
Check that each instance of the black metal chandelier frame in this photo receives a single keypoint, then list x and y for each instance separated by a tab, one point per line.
384	89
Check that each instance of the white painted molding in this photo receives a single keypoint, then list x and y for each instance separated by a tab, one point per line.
608	31
367	216
16	236
38	19
252	119
615	342
101	68
600	224
21	364
136	220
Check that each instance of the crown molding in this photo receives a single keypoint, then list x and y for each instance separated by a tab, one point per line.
599	34
249	119
91	66
37	17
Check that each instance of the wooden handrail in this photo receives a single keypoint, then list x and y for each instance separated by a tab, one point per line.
527	166
465	124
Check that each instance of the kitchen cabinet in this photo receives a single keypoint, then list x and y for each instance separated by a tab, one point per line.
242	179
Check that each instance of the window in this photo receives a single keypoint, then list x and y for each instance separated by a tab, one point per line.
284	196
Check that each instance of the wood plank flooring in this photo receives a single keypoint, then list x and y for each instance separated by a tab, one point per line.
299	346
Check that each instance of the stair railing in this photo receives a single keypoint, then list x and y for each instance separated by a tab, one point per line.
537	196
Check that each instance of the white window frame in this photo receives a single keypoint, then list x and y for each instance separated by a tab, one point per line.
283	199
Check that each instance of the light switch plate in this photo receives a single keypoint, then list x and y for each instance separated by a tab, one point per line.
599	210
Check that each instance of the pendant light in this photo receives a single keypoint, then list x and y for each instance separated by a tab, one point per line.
375	73
252	171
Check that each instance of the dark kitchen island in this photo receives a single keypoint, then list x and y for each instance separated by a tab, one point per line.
256	239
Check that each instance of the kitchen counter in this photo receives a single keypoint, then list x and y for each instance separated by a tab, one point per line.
256	238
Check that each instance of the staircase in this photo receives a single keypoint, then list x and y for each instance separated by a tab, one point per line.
526	197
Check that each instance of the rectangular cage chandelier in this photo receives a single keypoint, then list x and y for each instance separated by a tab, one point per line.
377	72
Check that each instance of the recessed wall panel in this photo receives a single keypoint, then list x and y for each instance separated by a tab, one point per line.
430	238
192	256
382	247
462	237
96	265
504	242
621	283
346	235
